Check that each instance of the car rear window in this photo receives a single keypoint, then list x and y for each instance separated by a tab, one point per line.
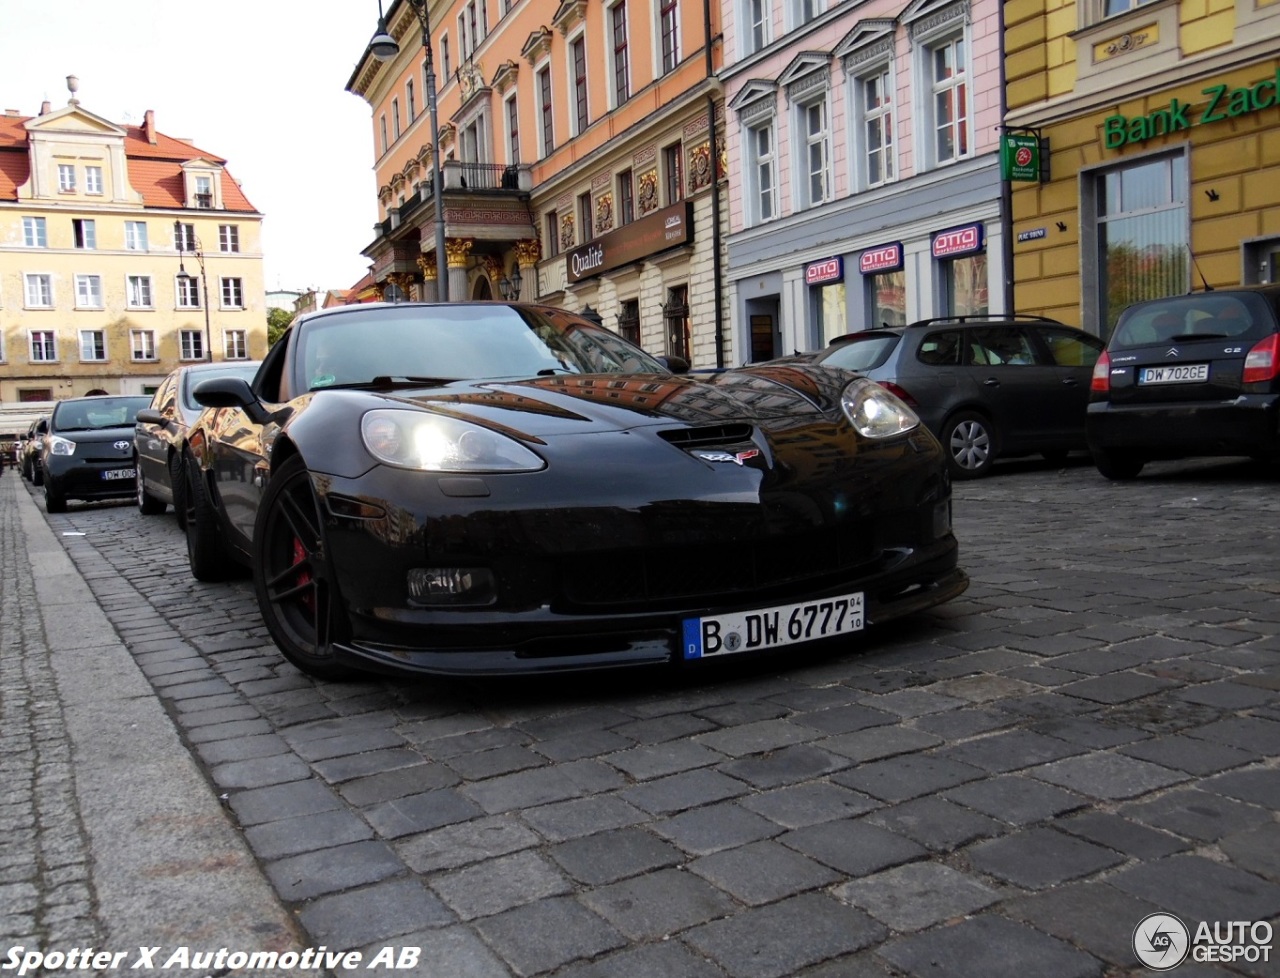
1178	319
864	352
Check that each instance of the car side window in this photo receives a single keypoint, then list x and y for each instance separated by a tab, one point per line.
941	349
1071	347
999	347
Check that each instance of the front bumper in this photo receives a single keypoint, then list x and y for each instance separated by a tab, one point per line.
81	478
1245	425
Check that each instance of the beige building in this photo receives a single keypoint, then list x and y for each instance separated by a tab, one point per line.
123	253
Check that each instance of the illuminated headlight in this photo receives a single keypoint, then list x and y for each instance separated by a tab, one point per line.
437	443
451	586
875	412
60	446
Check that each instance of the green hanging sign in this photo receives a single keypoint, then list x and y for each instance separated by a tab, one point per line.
1019	157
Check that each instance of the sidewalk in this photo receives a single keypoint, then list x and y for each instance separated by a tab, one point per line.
109	835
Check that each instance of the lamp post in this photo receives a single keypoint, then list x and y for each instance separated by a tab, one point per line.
183	276
511	286
384	47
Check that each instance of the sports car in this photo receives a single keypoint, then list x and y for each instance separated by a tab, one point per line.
487	488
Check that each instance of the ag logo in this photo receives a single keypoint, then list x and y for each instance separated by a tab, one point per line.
1161	941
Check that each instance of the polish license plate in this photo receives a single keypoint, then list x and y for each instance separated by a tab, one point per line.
1182	373
772	628
120	474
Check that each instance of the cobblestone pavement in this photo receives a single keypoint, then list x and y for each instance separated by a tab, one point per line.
1004	786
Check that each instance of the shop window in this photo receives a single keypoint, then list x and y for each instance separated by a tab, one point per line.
887	293
964	283
827	311
675	315
629	321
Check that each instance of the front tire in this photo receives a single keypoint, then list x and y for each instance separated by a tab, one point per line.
1117	467
54	501
293	576
206	548
148	505
970	443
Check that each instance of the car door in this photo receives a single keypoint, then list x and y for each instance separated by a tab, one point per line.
151	440
1073	353
1018	387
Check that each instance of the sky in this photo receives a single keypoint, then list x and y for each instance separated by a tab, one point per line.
259	83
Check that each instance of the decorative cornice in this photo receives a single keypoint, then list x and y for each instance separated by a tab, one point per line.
873	31
923	21
537	46
569	15
505	76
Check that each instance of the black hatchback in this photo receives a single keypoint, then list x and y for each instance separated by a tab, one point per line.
988	386
1188	375
88	451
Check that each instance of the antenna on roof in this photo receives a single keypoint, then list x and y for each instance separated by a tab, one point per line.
1207	286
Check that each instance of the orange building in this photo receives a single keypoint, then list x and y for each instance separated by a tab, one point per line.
581	162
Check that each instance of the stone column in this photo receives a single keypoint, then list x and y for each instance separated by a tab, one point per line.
458	252
428	265
528	252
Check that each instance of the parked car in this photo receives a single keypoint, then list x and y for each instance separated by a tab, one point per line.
161	434
32	442
989	386
1188	375
88	450
481	488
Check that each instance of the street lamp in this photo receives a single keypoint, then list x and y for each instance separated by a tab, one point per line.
511	286
184	278
384	47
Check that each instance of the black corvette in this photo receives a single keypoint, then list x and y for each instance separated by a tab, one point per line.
488	488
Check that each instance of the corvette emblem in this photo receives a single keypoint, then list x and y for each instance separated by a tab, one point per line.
737	459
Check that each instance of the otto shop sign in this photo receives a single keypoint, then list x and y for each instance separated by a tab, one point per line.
1179	116
667	228
827	270
886	258
958	241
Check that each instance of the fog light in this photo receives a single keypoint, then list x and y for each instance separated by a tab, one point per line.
452	586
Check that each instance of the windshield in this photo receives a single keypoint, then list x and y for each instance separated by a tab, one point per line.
865	352
88	413
465	342
1245	316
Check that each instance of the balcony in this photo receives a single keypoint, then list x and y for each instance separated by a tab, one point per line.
204	201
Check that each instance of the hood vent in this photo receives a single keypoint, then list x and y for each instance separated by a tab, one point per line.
709	436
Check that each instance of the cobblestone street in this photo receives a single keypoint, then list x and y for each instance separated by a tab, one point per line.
1004	786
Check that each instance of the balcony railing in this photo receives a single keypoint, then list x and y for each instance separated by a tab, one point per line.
204	201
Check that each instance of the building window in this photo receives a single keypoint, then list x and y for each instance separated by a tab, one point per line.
669	27
949	100
93	179
395	116
757	18
629	321
1141	229
382	132
817	153
762	177
135	235
93	345
39	289
578	55
191	344
143	344
44	346
444	55
675	315
185	235
229	237
888	297
803	11
584	218
187	291
204	193
33	232
964	283
544	107
553	233
139	291
88	291
827	309
874	104
626	197
409	96
235	345
671	159
232	293
84	233
66	177
1110	7
621	60
513	130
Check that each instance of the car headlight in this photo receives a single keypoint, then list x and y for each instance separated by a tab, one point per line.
438	443
59	445
875	412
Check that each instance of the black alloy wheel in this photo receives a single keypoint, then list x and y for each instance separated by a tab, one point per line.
1117	466
293	577
148	505
206	551
970	443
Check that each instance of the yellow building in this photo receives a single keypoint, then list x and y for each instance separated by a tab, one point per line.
123	253
1162	124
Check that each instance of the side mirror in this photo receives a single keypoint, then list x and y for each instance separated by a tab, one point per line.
229	392
677	365
148	416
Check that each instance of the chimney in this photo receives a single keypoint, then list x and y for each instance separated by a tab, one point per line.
149	126
12	113
45	107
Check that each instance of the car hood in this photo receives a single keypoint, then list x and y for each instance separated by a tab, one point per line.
569	404
98	435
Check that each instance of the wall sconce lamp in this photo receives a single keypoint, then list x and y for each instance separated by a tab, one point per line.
510	287
1211	194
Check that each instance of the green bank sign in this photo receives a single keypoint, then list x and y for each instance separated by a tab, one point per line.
1224	103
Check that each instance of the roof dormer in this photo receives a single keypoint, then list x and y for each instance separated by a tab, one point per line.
202	184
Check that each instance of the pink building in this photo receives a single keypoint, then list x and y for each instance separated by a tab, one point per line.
864	142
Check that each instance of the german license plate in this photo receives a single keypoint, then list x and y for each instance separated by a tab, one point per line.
1182	373
120	474
772	628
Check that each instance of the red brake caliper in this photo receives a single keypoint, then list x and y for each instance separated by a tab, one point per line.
299	556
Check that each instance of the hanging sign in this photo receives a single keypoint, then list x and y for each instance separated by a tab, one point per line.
1019	157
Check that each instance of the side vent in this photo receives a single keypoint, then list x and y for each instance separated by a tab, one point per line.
710	436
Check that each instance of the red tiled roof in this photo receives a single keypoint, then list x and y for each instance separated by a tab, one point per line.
155	170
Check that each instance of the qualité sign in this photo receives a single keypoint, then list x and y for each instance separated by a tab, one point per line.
664	229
